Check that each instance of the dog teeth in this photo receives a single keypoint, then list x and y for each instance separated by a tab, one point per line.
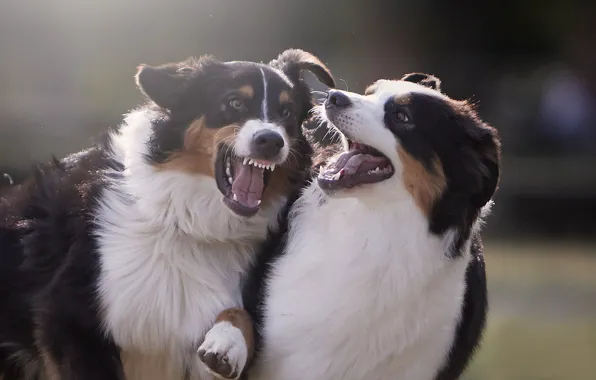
338	175
258	202
228	172
235	198
260	165
230	180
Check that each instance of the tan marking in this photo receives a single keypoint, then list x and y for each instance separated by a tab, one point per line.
198	153
50	367
155	365
425	187
404	100
284	97
247	91
280	181
240	319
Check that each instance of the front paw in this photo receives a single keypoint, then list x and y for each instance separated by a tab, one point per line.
224	351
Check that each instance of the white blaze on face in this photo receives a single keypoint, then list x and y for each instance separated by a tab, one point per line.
264	109
364	119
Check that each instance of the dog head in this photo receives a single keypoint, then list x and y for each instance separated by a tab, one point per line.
237	123
405	138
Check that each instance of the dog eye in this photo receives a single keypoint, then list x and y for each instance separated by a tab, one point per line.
236	104
402	117
286	112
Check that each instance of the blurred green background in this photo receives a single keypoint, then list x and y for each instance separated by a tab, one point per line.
66	74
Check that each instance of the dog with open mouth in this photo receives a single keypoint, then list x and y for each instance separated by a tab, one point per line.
379	274
115	261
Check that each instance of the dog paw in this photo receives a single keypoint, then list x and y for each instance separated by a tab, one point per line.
224	351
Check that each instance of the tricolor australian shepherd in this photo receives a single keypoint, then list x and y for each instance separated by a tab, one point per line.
116	261
380	275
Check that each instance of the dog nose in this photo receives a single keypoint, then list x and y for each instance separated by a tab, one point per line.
337	99
267	144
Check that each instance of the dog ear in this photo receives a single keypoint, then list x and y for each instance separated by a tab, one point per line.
165	84
488	148
425	80
292	61
161	84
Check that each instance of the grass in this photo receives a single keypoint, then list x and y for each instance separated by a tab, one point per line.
542	324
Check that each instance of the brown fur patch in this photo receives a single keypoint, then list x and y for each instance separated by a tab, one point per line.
280	182
247	91
403	100
240	318
284	97
198	154
425	187
370	89
50	368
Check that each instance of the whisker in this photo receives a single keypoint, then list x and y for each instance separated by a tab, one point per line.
9	178
346	83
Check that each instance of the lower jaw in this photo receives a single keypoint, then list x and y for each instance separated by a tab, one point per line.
329	185
239	209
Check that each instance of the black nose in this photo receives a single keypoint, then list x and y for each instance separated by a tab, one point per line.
267	144
337	99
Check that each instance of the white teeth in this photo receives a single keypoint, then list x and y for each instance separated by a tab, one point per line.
230	180
258	202
235	198
228	172
337	175
250	161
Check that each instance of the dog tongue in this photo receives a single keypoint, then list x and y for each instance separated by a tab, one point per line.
248	184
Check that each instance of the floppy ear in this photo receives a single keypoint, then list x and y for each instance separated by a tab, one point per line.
425	80
488	147
292	61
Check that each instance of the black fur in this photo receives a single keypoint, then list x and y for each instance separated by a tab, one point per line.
468	149
49	257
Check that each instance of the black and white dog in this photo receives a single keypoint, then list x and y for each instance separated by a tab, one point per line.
116	261
380	275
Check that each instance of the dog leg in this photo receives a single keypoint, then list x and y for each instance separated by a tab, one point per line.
229	345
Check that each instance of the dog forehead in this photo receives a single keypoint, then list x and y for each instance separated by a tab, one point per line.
398	89
261	73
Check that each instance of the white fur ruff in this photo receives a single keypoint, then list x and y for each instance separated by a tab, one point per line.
172	258
364	291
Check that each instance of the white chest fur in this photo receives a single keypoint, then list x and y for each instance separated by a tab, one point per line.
162	291
363	292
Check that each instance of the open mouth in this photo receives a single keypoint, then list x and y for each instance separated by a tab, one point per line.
241	180
360	165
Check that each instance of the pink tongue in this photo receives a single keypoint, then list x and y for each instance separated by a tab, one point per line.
248	185
364	162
